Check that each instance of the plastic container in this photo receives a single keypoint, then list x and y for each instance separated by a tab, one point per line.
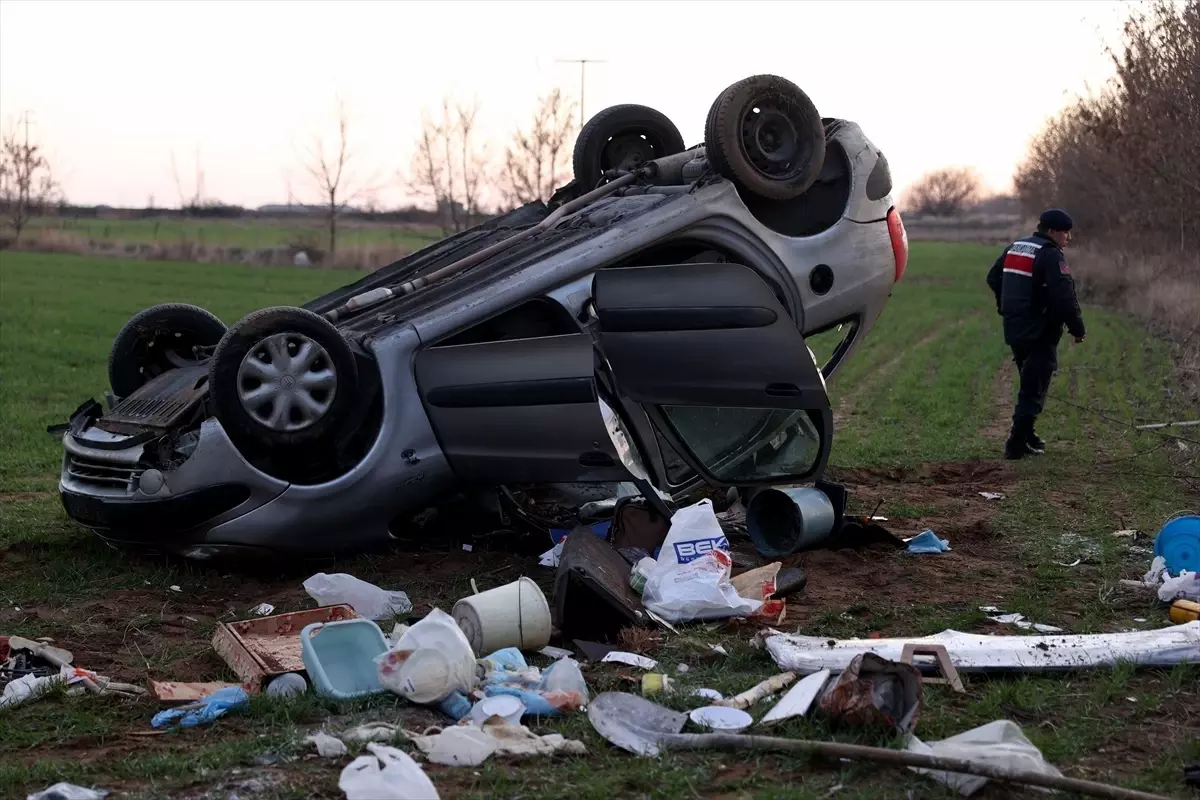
340	657
505	706
782	521
1184	611
289	684
513	615
721	718
1179	544
426	676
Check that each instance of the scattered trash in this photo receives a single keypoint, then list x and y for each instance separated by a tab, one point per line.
556	653
1018	620
469	746
264	647
1074	563
1157	425
69	791
203	711
558	689
289	684
991	495
1164	647
656	683
875	692
757	692
1184	586
632	659
1184	611
327	746
647	729
760	584
367	599
263	609
432	660
721	718
710	694
691	579
798	699
927	542
172	692
789	581
340	657
505	706
782	521
1129	534
1000	743
175	589
513	615
371	732
26	688
640	573
468	548
387	774
682	669
716	648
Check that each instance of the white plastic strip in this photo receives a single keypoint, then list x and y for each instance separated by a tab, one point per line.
970	652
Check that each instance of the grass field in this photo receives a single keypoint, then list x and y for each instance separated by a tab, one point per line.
921	416
248	234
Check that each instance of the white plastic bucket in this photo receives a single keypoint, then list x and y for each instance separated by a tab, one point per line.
513	615
426	676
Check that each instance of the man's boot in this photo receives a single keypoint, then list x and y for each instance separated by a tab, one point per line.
1034	443
1018	440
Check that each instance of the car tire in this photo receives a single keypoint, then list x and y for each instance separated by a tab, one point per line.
158	339
282	377
622	137
764	134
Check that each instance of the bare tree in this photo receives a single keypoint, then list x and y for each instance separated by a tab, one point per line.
189	201
27	184
328	167
449	166
945	192
537	161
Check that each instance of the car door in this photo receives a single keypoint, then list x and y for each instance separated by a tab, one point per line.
711	358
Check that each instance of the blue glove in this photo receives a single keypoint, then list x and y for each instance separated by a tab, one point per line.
928	542
203	711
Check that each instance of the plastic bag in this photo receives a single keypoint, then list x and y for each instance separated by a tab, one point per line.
1186	586
69	791
1000	744
546	693
437	631
387	774
367	599
690	580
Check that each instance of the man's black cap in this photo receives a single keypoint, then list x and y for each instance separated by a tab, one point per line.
1056	219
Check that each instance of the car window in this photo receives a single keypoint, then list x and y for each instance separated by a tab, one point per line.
748	444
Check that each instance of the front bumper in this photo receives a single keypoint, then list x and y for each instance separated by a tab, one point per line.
177	520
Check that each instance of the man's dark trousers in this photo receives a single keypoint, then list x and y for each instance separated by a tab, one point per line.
1036	362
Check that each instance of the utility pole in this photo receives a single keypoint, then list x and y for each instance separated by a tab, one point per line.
582	62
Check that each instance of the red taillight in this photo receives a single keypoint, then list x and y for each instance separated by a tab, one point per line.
899	241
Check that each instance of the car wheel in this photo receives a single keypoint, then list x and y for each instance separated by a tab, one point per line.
764	134
159	339
282	377
622	137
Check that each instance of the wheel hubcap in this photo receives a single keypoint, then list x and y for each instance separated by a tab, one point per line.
287	382
771	141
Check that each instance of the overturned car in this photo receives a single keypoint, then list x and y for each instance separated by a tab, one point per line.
647	325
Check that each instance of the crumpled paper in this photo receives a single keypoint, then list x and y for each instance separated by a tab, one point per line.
327	746
469	746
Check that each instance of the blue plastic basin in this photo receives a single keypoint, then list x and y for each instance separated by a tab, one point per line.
340	657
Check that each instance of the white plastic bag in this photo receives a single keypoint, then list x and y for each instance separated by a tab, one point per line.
367	599
690	581
437	631
388	774
998	744
1186	585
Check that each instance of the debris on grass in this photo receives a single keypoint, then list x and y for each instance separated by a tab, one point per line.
798	700
470	746
289	684
263	648
873	692
759	691
387	774
1000	743
927	542
371	732
203	711
367	599
991	495
970	652
721	718
327	746
262	610
69	791
177	692
632	659
1018	620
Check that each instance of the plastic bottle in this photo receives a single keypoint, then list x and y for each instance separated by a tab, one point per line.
1184	611
289	684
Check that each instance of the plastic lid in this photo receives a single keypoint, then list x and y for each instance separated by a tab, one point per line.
1179	544
721	718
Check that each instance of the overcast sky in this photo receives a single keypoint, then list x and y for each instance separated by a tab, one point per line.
116	87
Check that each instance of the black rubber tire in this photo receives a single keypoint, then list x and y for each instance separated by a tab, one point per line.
158	339
593	157
247	334
725	145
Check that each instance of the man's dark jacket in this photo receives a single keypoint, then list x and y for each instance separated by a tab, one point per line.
1035	292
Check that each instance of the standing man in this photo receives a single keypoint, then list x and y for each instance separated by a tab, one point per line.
1035	294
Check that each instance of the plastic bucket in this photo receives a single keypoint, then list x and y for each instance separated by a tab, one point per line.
339	657
781	521
513	615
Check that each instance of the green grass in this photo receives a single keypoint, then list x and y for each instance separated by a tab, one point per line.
926	386
247	234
